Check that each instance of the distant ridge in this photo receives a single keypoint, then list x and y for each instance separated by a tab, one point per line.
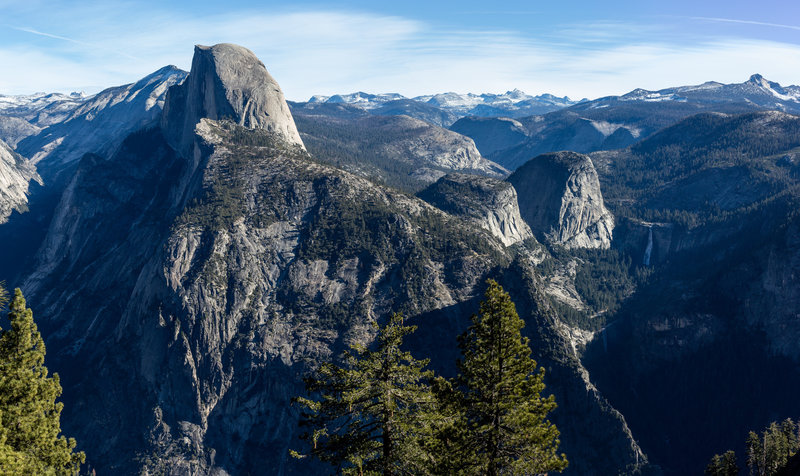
513	103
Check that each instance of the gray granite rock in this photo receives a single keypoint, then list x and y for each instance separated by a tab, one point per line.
560	199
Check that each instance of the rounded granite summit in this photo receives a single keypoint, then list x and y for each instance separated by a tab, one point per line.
560	199
227	82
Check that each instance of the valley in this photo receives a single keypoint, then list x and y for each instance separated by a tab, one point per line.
193	245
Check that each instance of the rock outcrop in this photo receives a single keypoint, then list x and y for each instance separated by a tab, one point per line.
488	202
15	176
227	82
437	146
560	199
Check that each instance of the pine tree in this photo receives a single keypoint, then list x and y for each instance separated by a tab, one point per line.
770	451
723	465
369	414
503	427
29	415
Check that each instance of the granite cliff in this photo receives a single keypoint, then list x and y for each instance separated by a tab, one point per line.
488	202
228	82
560	199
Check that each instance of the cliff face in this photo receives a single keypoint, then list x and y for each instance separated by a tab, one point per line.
71	128
489	203
14	129
560	199
227	82
185	295
15	176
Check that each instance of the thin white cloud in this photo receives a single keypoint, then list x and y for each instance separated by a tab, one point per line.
70	40
327	52
747	22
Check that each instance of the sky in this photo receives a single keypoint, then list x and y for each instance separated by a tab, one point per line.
581	49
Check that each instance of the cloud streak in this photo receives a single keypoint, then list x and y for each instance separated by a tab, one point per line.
747	22
327	52
70	40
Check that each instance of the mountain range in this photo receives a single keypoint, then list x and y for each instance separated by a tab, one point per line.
192	245
511	103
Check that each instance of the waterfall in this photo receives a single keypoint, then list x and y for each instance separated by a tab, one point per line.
649	249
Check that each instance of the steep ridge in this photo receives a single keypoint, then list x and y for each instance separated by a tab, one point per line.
14	129
560	199
98	124
95	125
185	295
490	203
15	175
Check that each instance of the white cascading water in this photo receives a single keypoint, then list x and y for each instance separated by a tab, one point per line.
649	249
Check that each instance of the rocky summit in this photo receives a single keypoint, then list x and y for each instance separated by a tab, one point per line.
227	82
488	202
560	199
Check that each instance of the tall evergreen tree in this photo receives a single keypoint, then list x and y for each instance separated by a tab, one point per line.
503	428
29	415
768	452
367	416
723	465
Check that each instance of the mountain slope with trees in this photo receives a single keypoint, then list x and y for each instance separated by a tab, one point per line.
209	282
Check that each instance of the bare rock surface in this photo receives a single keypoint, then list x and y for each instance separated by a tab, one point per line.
185	295
227	82
98	124
560	199
15	176
488	202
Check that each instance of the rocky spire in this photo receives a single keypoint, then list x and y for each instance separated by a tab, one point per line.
226	82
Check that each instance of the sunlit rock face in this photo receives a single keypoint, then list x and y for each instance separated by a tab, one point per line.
226	82
560	199
15	176
488	202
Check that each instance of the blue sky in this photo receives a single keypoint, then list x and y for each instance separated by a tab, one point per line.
576	48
